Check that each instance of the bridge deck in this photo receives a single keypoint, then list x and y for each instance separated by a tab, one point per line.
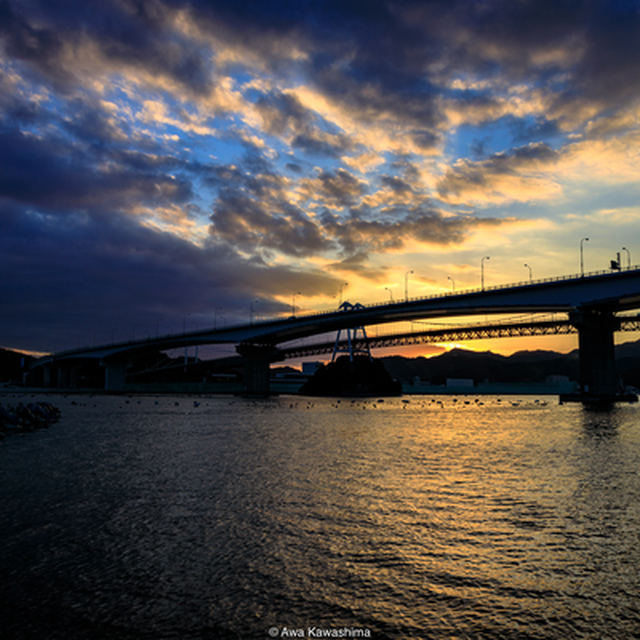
614	291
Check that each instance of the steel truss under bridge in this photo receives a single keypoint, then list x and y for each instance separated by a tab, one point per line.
353	345
456	334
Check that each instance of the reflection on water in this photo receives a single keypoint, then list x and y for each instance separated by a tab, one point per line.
430	518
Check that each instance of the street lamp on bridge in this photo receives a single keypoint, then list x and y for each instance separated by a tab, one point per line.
186	347
390	293
582	241
530	274
293	304
628	257
406	285
482	270
453	284
342	286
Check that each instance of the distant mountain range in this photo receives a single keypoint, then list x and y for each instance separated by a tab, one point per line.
522	366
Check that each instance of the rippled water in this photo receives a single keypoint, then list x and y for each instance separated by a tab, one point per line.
150	517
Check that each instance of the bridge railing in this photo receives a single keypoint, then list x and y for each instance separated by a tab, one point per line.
450	294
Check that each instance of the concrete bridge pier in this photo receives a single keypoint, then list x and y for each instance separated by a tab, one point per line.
256	359
47	375
114	375
598	380
67	375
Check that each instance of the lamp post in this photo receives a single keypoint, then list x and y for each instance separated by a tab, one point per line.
482	270
453	284
628	257
186	348
251	310
195	351
342	286
582	240
406	285
293	304
390	294
530	275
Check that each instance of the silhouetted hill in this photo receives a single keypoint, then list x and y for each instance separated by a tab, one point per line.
628	350
344	377
628	363
481	366
522	366
11	365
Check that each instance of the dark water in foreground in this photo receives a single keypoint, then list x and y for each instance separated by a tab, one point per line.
143	518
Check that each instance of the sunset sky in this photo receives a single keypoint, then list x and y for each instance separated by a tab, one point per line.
167	162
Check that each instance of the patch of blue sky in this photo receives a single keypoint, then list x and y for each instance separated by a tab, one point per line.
241	76
316	161
480	141
530	130
252	94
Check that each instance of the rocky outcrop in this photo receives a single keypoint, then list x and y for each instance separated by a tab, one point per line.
27	417
361	376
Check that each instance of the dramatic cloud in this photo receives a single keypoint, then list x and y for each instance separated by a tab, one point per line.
502	177
165	159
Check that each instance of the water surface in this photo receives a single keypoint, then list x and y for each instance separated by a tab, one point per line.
479	517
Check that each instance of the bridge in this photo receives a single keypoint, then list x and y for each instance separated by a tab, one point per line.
593	304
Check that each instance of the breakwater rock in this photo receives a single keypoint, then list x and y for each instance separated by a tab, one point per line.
27	417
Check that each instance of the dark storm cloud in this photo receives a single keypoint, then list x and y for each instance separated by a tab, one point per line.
16	109
607	71
47	36
317	145
359	264
395	184
55	174
358	236
285	116
396	53
408	169
254	177
432	227
256	218
337	187
255	225
484	172
40	47
83	280
252	211
90	125
283	113
294	167
381	60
